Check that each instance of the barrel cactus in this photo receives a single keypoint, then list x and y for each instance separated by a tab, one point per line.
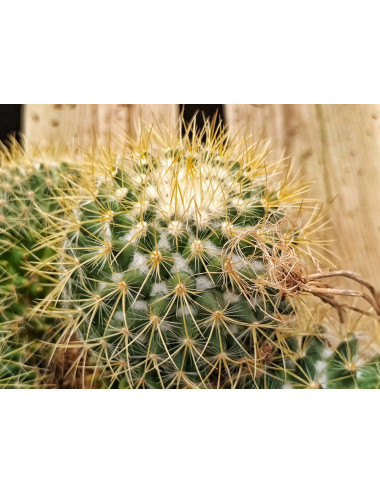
31	184
174	271
313	364
180	261
18	366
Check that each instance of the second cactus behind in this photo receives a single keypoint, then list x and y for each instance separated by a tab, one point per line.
31	185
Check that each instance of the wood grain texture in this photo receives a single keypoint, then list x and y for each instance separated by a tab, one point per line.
42	123
337	146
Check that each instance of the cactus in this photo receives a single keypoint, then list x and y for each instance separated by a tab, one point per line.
180	263
17	363
171	273
313	364
30	185
343	353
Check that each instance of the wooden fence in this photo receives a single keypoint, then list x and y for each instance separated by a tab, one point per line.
42	123
338	147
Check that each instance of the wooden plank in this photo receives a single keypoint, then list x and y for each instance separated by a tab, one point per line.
43	123
337	146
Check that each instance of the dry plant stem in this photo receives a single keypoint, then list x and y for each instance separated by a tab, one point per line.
287	271
327	294
355	277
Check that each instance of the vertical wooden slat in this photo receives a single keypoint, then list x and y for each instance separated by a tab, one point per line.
42	123
337	146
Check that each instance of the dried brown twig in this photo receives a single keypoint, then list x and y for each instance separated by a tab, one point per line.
285	272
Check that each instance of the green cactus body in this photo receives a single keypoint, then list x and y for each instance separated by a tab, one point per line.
18	367
175	265
156	296
348	369
29	200
313	364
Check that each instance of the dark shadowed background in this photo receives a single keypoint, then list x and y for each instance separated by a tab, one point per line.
10	116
